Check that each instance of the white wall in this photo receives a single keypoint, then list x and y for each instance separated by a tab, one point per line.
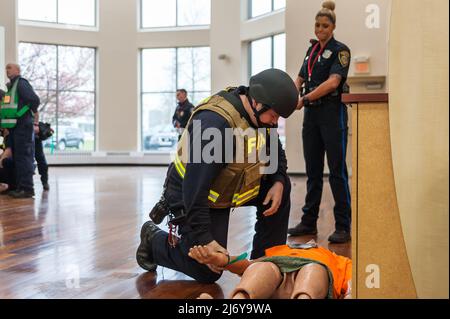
8	22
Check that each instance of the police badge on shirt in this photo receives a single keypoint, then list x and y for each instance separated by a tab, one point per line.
344	58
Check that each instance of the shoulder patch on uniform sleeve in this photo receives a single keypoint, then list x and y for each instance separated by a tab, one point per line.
344	58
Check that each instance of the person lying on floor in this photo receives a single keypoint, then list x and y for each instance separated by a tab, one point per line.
297	271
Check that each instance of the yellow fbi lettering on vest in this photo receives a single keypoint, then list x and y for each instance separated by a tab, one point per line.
256	142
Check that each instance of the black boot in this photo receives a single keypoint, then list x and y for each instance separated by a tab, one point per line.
46	187
160	211
340	237
19	194
144	255
302	230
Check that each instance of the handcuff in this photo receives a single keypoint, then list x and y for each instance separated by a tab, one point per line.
238	258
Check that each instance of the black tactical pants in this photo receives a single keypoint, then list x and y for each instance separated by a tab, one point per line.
23	153
41	160
325	131
270	231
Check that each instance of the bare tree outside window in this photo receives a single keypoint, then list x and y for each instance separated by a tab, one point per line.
163	72
64	79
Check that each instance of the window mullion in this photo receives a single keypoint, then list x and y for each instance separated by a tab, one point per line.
176	13
57	11
57	94
273	52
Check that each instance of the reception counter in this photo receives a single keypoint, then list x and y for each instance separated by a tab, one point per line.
380	263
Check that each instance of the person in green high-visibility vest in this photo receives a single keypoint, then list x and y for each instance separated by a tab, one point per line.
18	113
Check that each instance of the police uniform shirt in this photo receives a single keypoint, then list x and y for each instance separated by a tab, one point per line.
183	113
335	59
192	191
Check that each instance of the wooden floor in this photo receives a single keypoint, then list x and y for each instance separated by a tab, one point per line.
79	240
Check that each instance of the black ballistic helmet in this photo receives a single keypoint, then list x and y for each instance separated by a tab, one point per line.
275	90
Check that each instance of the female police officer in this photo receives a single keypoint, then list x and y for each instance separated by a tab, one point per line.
323	75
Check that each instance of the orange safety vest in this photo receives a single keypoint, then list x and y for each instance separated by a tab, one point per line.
340	267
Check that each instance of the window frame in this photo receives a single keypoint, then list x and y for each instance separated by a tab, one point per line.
58	24
176	26
250	11
57	90
272	51
141	85
272	65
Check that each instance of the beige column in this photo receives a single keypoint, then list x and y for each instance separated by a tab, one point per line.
419	107
118	107
225	42
8	14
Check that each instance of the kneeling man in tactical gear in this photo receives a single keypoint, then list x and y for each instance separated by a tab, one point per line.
229	156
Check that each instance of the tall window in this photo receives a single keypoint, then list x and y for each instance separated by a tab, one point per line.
260	7
164	71
175	13
269	53
73	12
64	79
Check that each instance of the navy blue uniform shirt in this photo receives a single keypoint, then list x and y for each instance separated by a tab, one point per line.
335	59
182	113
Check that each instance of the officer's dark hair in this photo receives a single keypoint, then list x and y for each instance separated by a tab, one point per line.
328	11
182	91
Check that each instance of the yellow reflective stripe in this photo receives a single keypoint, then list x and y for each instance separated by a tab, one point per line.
178	160
250	191
179	167
214	193
213	196
178	170
250	196
239	198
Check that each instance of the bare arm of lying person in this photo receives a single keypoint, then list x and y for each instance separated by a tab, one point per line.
204	255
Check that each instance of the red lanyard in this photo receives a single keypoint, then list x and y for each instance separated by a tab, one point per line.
311	67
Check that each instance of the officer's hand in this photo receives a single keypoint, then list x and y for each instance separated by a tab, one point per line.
205	256
36	129
300	103
215	246
275	195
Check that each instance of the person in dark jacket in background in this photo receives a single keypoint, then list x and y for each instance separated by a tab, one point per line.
18	113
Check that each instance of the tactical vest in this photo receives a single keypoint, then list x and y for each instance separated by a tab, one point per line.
9	106
238	182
